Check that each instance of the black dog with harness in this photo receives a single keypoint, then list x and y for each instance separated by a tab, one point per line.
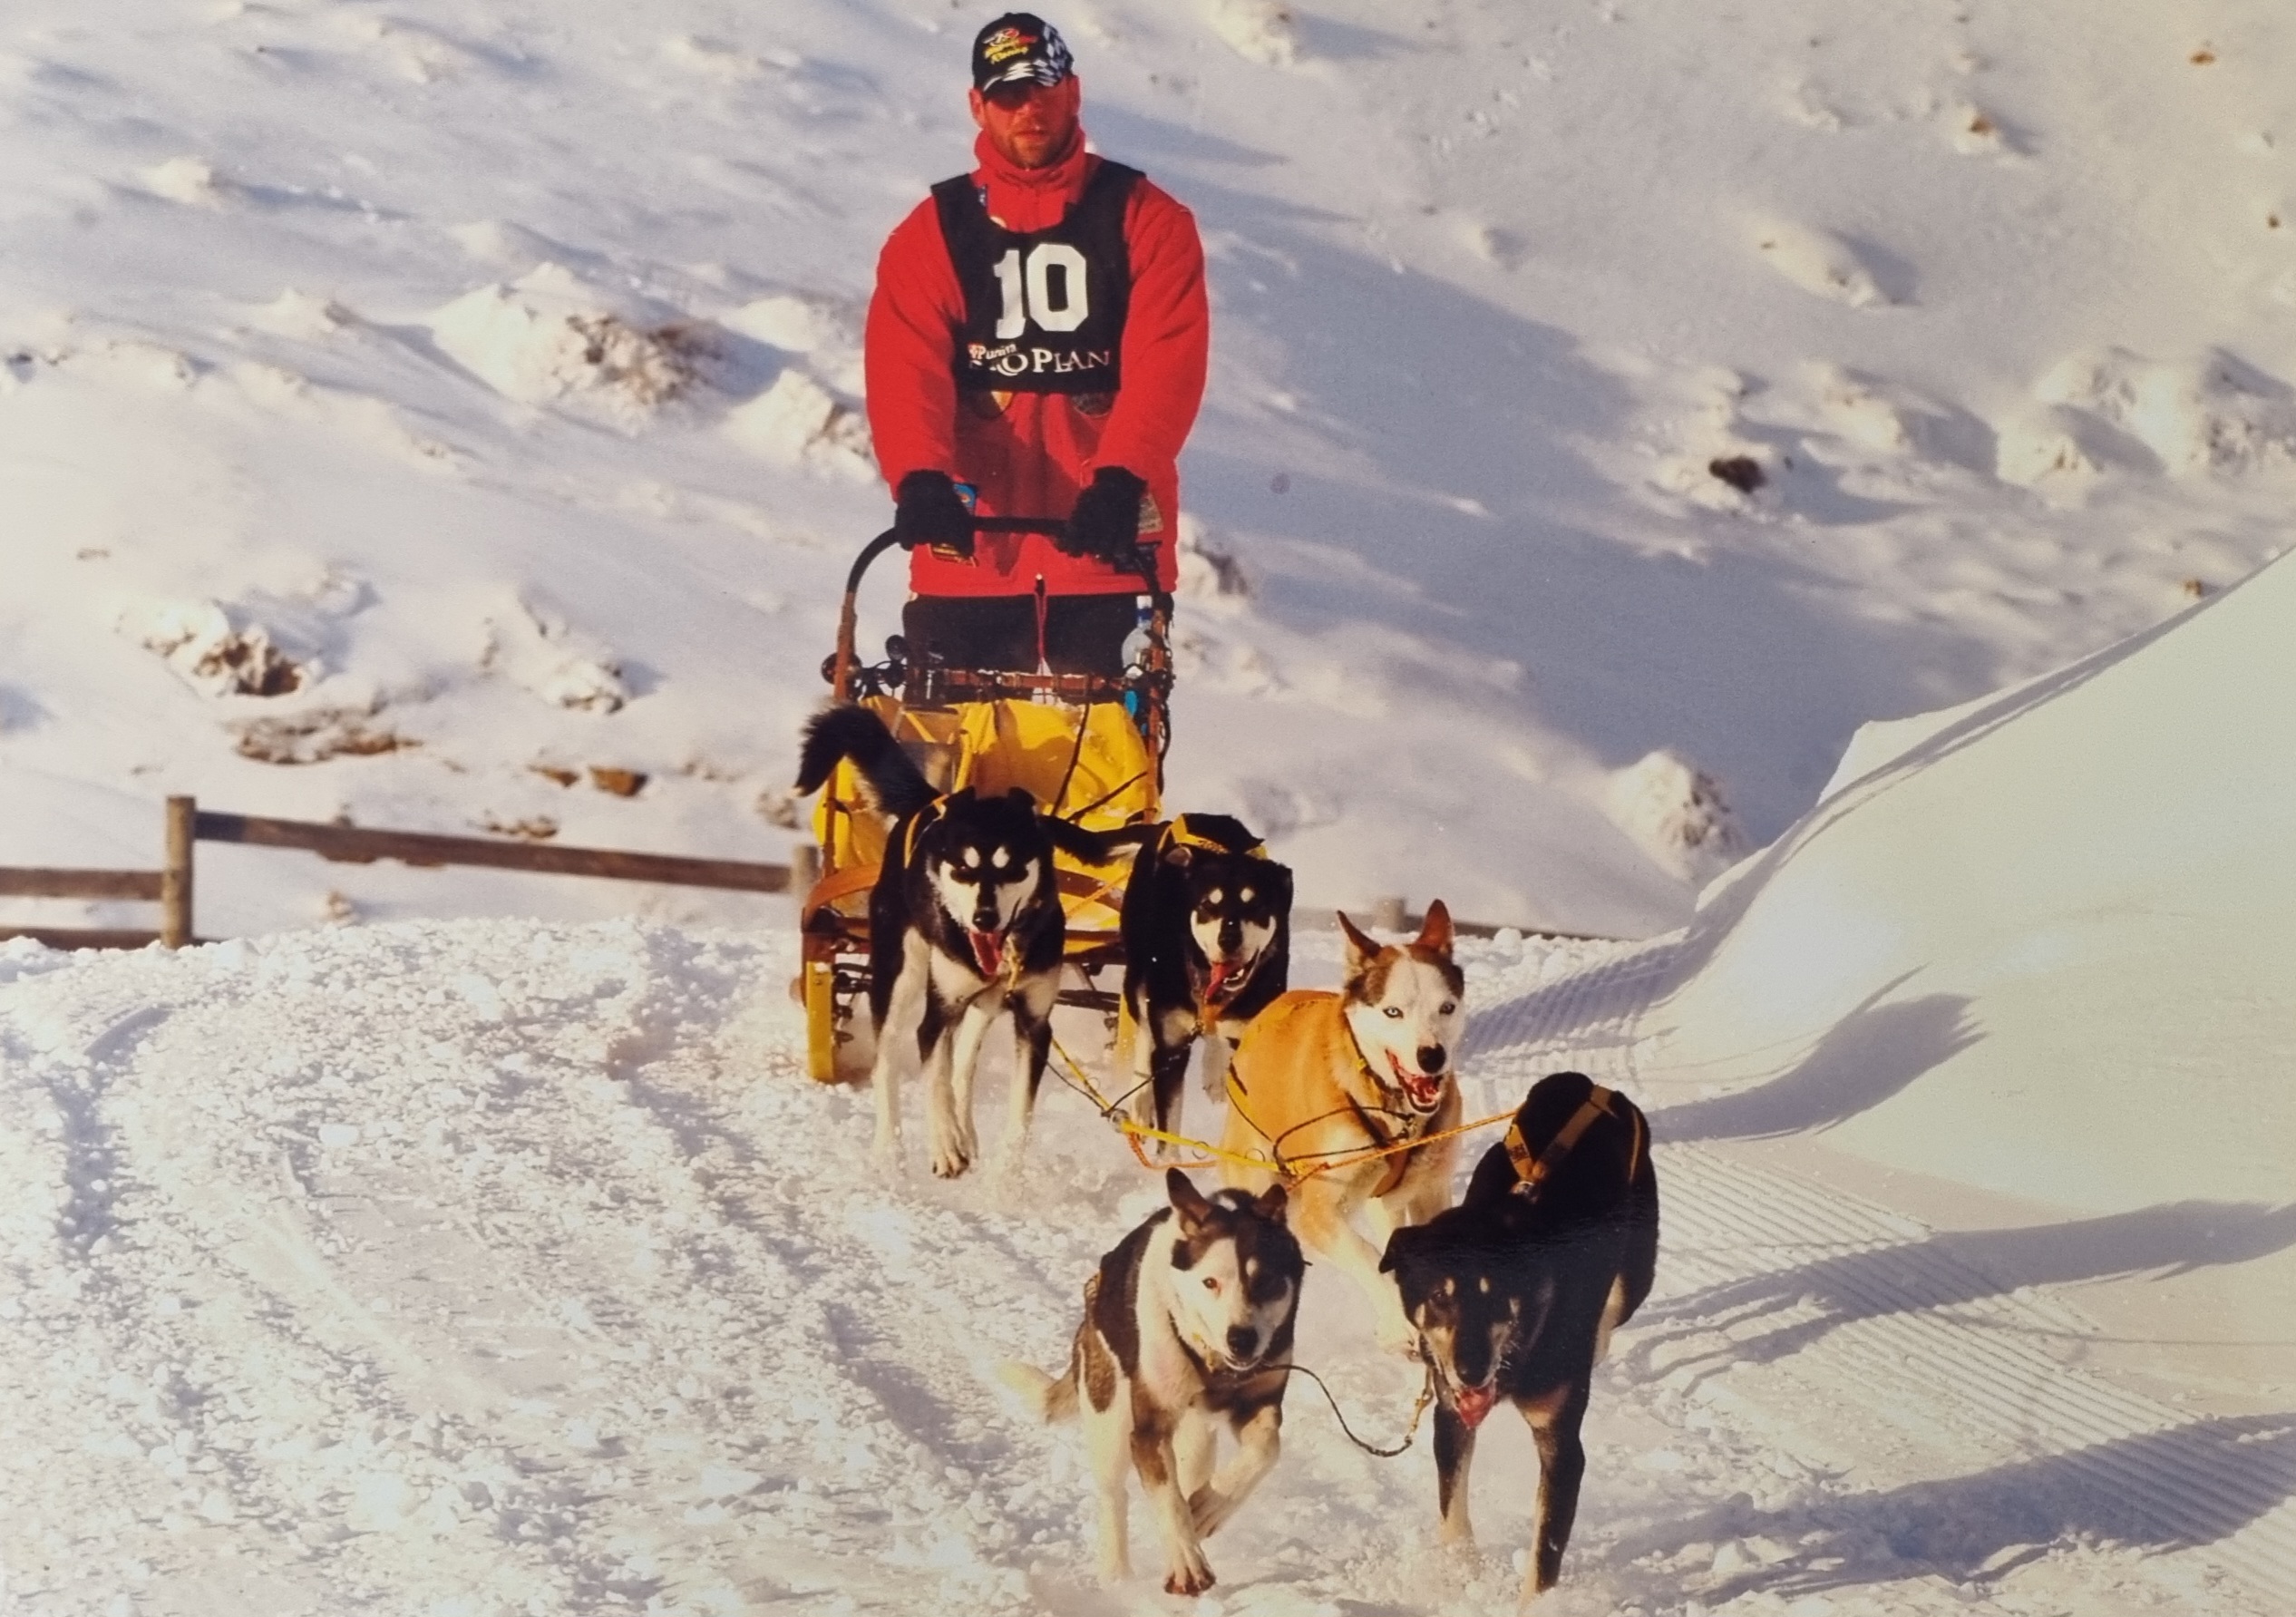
1514	1292
1207	933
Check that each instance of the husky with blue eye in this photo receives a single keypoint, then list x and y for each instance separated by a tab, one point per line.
1187	1327
1354	1092
965	924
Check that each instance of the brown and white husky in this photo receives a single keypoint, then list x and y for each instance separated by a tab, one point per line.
1321	1077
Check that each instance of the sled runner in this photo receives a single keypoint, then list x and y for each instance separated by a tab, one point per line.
1088	747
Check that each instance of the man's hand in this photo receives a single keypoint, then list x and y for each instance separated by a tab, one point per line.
1106	521
927	512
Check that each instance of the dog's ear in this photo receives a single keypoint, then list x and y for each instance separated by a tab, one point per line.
1360	950
1399	1246
1187	1201
1435	934
1271	1203
1020	796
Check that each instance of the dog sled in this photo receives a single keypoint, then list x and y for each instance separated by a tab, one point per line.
1088	747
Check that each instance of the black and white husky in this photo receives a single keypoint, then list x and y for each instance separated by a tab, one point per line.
1187	1326
965	923
1206	932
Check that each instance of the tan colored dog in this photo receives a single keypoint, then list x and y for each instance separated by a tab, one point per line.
1320	1076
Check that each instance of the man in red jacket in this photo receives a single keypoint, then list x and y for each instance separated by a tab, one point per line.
1035	347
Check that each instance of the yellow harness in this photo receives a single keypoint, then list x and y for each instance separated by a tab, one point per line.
1178	832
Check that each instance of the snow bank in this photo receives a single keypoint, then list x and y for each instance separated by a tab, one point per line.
2031	934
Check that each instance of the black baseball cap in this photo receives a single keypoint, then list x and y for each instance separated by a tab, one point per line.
1018	47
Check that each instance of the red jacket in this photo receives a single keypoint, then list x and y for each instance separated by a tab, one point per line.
1033	458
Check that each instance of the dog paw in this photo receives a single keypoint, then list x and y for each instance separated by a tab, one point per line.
1210	1509
1190	1579
949	1160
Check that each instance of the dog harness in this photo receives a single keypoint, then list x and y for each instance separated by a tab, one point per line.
1531	1168
918	821
1179	832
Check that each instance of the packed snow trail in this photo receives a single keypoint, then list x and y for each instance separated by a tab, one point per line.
498	1267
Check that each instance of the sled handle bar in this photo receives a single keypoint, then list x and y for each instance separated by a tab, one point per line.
842	678
886	540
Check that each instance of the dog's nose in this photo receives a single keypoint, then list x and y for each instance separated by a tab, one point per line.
1431	1059
1243	1343
1231	936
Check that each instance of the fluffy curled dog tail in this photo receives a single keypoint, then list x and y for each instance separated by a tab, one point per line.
1050	1399
854	732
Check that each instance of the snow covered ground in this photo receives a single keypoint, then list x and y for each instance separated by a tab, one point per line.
409	409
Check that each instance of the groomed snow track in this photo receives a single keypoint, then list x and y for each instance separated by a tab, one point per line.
491	1268
1761	1266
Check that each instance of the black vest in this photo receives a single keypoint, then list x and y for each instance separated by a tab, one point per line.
1044	309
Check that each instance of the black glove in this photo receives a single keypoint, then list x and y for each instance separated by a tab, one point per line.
927	512
1106	521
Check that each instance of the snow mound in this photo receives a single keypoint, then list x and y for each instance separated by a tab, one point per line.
1983	956
797	324
2209	414
301	315
797	422
1675	812
2057	453
532	646
546	338
1820	262
188	180
210	655
1262	31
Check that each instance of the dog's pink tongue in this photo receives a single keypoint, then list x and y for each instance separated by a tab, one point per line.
989	949
1474	1403
1219	980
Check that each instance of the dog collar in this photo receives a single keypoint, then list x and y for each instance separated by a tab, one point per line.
1409	1121
1202	1364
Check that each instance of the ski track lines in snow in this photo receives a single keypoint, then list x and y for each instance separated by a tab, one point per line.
1929	1341
493	1267
1917	1331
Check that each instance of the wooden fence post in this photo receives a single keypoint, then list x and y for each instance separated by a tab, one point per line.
175	875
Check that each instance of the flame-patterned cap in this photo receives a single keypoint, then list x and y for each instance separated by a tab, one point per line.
1019	46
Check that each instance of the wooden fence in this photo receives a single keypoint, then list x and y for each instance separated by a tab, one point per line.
170	886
